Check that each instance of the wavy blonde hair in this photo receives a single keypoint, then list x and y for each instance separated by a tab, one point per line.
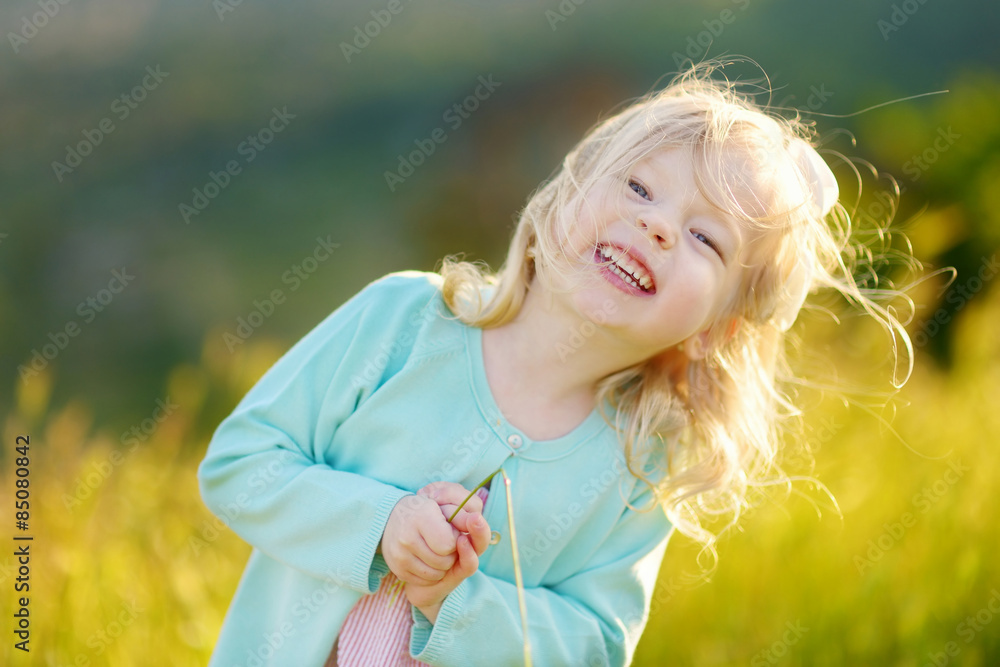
717	420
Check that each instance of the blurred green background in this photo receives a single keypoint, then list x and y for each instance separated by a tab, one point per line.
128	565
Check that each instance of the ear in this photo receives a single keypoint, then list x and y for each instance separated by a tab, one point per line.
696	347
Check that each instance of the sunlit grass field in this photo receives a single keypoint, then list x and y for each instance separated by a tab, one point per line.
128	567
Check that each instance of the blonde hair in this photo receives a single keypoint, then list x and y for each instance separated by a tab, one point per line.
717	420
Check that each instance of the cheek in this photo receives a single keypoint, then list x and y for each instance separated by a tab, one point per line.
701	287
595	305
580	236
574	222
597	208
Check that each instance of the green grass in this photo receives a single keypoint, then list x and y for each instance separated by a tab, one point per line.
141	560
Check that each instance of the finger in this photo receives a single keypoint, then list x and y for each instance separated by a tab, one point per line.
450	493
432	490
463	521
410	569
435	561
414	554
479	534
448	510
473	524
411	578
430	572
477	528
475	504
411	546
439	535
467	558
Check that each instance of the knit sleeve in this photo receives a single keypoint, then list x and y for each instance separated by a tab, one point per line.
594	617
264	472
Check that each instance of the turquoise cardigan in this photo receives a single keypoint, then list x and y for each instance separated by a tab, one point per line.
385	395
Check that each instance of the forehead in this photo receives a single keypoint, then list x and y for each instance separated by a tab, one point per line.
750	188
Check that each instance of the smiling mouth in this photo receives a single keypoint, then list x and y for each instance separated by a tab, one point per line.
629	271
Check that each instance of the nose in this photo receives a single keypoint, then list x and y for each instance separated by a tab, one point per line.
661	232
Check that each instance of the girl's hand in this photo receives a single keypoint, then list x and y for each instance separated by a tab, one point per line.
418	544
429	597
449	496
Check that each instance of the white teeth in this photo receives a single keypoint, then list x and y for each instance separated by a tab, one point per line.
623	267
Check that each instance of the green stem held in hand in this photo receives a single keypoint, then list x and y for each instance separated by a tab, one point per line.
481	485
397	586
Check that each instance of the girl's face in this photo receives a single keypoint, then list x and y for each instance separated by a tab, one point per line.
683	254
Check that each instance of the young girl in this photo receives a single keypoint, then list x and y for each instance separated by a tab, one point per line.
624	367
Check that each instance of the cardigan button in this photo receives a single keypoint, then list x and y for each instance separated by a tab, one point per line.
514	441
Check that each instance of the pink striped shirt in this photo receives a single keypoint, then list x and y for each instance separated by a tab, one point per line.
376	633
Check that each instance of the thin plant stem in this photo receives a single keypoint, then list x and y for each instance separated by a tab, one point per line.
517	572
481	485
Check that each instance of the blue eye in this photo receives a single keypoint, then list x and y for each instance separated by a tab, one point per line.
638	188
709	242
